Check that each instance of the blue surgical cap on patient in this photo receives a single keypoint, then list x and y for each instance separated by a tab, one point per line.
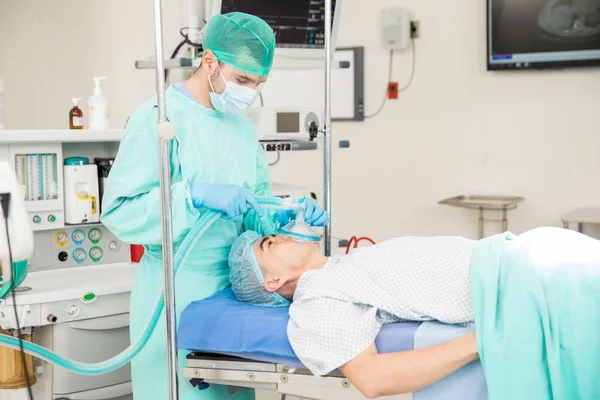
247	280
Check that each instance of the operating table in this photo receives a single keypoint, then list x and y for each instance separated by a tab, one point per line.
243	346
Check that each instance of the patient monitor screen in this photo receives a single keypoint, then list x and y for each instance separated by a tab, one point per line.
297	23
288	122
543	33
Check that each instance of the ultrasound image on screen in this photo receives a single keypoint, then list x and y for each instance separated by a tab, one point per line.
297	23
544	26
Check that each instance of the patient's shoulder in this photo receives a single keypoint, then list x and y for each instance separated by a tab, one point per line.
331	280
308	285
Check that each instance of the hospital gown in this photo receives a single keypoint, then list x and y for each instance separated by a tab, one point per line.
338	310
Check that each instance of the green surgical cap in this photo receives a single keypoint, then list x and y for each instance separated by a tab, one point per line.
243	41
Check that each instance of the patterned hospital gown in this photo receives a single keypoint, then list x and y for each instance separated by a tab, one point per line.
338	310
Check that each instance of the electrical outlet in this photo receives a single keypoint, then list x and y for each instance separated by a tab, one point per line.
415	29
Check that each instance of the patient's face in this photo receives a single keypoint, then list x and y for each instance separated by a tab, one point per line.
280	254
285	259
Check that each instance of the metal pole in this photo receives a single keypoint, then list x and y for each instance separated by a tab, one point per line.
327	141
481	223
166	133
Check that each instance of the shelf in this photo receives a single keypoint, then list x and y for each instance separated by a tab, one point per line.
483	202
280	63
169	64
486	203
60	136
115	135
585	215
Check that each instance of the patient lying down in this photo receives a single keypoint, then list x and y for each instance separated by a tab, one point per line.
340	303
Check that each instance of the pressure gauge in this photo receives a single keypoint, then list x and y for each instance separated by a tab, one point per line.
61	238
96	253
95	235
78	236
79	255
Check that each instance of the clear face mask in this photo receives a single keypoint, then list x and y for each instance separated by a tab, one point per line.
299	231
235	99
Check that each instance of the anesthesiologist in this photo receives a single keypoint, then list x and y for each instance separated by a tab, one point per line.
216	164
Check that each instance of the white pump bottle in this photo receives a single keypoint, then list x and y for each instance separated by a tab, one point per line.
98	107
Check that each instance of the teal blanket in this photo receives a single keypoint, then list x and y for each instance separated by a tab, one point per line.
537	314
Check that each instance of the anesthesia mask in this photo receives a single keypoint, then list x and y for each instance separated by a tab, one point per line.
299	230
234	100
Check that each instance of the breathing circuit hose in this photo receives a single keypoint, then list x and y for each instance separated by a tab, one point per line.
129	353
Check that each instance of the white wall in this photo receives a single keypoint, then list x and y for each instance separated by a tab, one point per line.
458	129
49	52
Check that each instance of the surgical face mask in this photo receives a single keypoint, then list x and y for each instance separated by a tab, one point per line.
235	99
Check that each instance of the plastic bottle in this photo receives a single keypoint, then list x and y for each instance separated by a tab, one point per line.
1	103
76	115
98	107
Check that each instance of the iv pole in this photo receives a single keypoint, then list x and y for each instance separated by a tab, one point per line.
166	132
328	140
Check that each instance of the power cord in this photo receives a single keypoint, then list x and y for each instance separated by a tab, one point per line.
385	95
276	161
186	40
405	87
5	202
413	68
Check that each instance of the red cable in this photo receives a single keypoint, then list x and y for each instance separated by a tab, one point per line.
354	240
364	238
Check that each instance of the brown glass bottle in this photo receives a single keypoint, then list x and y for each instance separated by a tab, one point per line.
76	116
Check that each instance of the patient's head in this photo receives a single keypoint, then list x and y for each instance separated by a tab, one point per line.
265	270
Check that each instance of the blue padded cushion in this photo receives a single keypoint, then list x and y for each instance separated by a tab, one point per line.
223	325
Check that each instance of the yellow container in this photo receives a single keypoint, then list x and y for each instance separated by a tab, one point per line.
12	373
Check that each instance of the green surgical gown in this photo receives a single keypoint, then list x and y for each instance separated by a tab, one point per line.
210	147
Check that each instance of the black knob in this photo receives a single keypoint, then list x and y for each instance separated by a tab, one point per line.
51	318
313	130
63	256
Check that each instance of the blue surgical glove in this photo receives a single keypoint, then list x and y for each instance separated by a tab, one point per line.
314	214
231	200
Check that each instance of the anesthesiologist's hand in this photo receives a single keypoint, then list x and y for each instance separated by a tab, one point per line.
231	200
314	214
